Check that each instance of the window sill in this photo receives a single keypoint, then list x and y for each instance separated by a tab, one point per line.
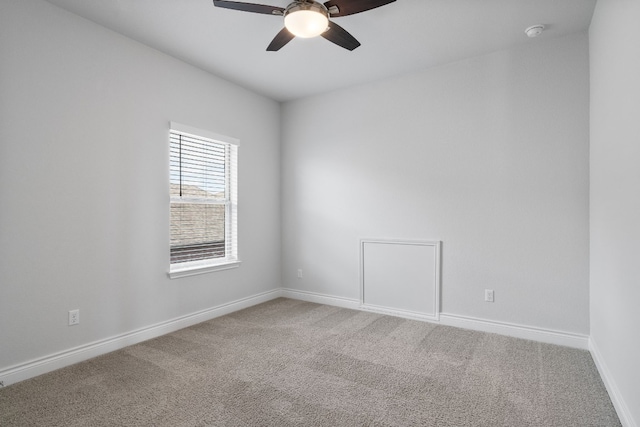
202	269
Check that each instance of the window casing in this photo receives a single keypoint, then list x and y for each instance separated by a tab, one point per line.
203	212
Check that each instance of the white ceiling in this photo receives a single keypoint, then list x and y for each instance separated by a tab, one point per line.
399	38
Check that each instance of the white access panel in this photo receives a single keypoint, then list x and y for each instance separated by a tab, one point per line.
401	277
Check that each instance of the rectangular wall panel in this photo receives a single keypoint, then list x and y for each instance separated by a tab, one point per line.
401	277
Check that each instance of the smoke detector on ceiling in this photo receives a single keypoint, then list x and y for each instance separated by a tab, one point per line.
534	30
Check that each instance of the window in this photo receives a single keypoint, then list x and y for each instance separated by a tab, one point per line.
203	189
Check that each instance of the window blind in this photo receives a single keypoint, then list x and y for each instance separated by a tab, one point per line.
203	191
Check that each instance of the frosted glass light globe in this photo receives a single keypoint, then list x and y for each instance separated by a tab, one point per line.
306	23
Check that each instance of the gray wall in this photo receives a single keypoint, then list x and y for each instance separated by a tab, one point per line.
84	189
615	198
489	154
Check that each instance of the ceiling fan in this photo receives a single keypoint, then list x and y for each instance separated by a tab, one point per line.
309	18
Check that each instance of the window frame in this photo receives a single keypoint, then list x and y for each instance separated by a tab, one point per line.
231	258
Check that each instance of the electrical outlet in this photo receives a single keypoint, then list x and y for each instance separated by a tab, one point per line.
74	317
488	295
299	273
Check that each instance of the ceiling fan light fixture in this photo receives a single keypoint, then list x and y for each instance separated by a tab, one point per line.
306	19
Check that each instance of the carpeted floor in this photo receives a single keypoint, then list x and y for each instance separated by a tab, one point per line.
293	363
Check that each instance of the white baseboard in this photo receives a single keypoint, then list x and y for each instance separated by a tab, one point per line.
548	336
351	303
320	298
513	330
61	359
614	392
399	313
55	361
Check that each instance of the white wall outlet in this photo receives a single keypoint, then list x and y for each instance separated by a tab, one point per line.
488	295
299	273
74	317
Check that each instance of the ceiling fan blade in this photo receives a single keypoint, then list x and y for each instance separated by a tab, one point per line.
338	35
281	39
250	7
349	7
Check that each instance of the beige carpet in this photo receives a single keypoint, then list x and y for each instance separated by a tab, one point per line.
293	363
